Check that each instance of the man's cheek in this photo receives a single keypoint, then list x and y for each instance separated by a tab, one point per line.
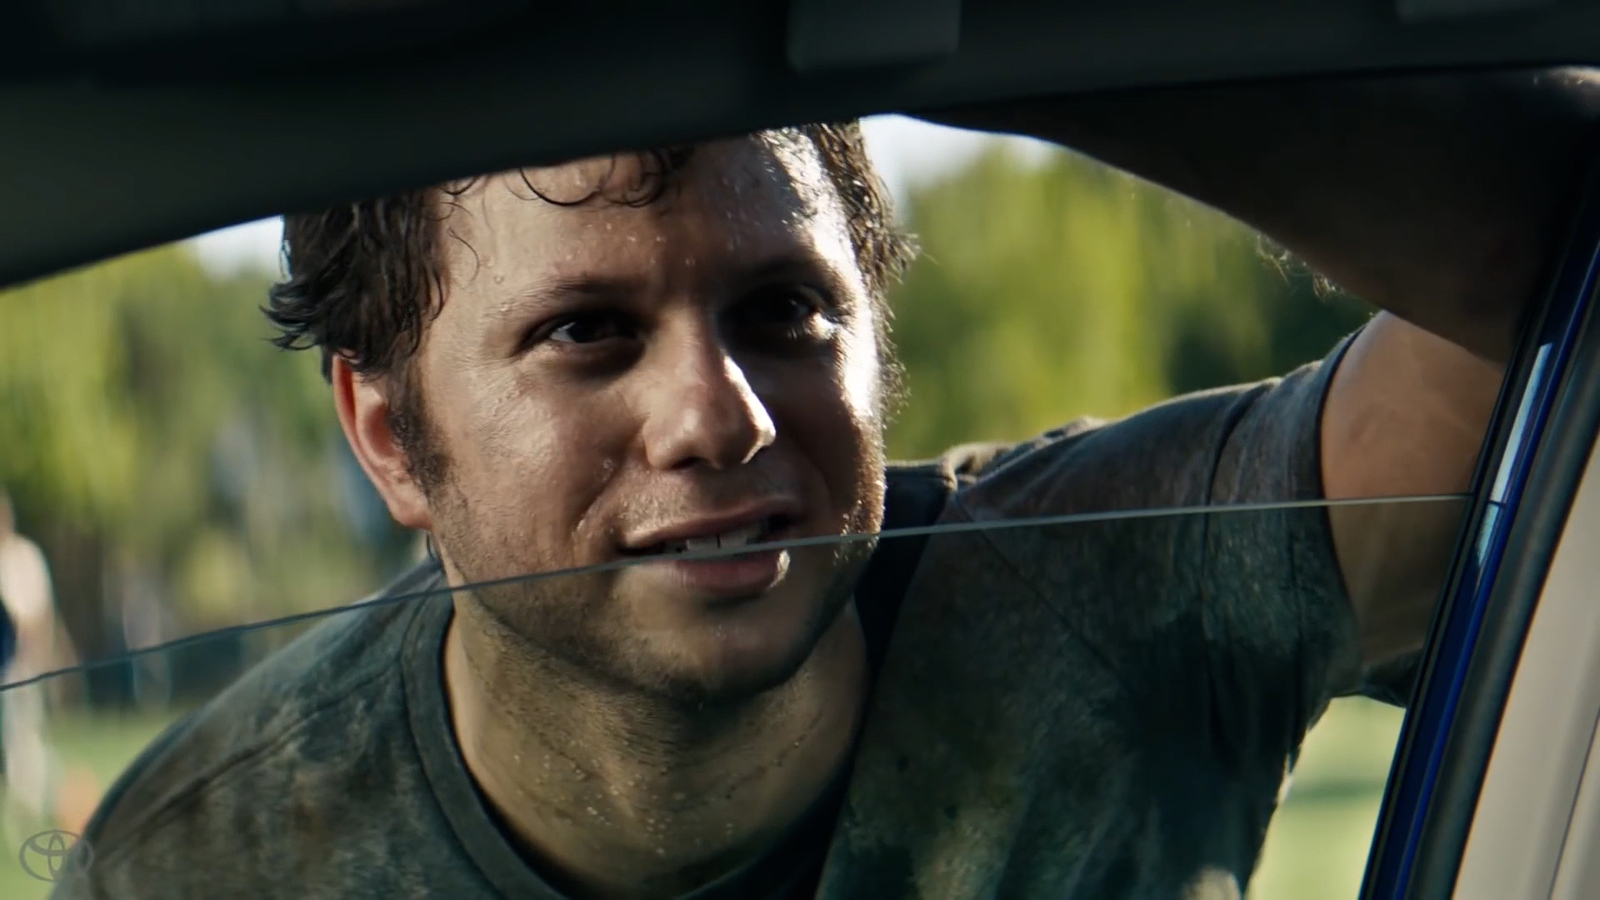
536	524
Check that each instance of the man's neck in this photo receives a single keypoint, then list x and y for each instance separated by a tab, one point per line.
633	798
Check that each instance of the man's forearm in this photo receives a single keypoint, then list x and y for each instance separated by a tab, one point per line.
1439	198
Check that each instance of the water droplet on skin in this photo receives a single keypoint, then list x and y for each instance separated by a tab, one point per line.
499	278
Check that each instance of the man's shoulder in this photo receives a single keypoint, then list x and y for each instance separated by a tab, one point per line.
956	468
274	757
1095	488
1167	455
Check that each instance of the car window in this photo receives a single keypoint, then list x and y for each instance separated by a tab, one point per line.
1110	645
938	729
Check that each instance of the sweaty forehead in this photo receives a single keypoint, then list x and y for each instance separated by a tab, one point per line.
760	195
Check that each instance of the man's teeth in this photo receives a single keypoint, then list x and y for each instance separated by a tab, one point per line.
738	537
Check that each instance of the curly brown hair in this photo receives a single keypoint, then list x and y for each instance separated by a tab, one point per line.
366	278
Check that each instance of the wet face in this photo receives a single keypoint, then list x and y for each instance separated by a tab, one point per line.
608	383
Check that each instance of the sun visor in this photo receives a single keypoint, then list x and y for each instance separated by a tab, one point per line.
143	39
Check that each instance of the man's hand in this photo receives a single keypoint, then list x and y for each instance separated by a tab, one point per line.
1442	199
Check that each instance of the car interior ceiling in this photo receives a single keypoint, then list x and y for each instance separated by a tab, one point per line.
138	130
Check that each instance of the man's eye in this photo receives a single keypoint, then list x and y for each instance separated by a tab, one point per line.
588	329
792	309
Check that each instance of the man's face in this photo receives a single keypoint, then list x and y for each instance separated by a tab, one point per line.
610	382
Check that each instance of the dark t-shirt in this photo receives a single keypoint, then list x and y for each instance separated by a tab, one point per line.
1103	710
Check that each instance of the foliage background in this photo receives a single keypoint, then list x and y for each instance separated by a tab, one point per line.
1067	288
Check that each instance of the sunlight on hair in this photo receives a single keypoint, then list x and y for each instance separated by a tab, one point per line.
908	152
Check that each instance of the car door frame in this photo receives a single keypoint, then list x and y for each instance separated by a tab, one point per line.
1539	448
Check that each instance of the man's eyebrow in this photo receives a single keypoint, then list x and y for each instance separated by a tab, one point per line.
789	263
594	288
566	289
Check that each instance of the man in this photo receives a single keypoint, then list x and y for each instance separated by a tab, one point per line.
611	362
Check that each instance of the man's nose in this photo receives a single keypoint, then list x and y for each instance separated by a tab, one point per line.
701	409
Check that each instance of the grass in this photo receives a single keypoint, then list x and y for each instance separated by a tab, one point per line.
1316	848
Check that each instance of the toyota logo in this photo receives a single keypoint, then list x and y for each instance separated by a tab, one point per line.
49	856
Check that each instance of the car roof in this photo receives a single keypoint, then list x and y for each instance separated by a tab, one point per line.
127	129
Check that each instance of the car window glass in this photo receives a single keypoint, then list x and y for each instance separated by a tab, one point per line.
1163	617
989	767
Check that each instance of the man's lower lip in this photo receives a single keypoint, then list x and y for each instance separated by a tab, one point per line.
744	575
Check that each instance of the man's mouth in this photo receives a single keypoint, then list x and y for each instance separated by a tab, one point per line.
745	535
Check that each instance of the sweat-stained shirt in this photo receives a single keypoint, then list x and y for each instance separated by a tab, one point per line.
1078	711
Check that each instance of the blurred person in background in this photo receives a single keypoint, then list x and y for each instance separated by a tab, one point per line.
38	793
27	597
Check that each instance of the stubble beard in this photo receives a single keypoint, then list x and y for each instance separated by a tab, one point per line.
564	625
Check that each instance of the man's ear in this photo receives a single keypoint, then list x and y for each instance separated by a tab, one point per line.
364	414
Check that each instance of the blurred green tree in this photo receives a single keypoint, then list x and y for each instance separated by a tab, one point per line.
1052	290
150	426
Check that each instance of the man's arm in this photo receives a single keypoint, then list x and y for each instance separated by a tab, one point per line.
1439	199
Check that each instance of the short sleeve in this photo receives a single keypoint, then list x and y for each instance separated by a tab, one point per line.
1212	591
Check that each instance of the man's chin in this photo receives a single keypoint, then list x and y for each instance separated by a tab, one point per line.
733	666
745	650
725	688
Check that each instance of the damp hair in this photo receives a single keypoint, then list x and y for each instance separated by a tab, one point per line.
365	279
